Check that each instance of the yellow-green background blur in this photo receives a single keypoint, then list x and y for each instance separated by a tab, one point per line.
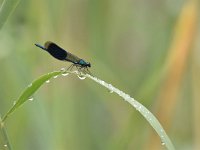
150	49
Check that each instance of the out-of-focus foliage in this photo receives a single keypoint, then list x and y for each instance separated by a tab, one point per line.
149	49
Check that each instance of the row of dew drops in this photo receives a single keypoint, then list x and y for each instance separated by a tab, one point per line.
64	74
82	77
133	102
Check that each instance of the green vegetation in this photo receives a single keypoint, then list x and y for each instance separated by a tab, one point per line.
143	48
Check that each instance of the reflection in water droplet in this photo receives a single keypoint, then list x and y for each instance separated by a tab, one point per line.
47	81
55	77
139	108
30	99
162	143
81	77
62	69
135	105
30	85
5	145
65	74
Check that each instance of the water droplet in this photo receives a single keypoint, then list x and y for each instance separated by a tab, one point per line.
62	69
162	143
47	81
30	85
81	77
102	82
65	74
138	108
14	102
110	85
55	77
30	99
135	105
5	145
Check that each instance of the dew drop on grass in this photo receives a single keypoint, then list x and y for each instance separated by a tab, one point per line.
110	88
150	119
135	105
162	143
47	81
55	77
138	108
62	69
102	82
5	145
14	102
30	99
30	85
162	140
65	74
81	77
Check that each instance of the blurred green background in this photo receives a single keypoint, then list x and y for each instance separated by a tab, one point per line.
148	49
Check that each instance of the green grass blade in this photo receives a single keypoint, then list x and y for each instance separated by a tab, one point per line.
165	140
29	91
4	142
6	9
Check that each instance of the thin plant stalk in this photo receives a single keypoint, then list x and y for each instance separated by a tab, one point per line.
4	141
7	7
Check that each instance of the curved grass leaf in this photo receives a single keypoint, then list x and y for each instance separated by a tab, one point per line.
7	7
153	121
30	90
4	142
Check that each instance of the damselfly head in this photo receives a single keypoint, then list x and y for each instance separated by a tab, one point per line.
88	64
61	54
84	63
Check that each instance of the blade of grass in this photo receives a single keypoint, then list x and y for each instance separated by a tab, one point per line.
30	90
6	9
4	142
165	140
